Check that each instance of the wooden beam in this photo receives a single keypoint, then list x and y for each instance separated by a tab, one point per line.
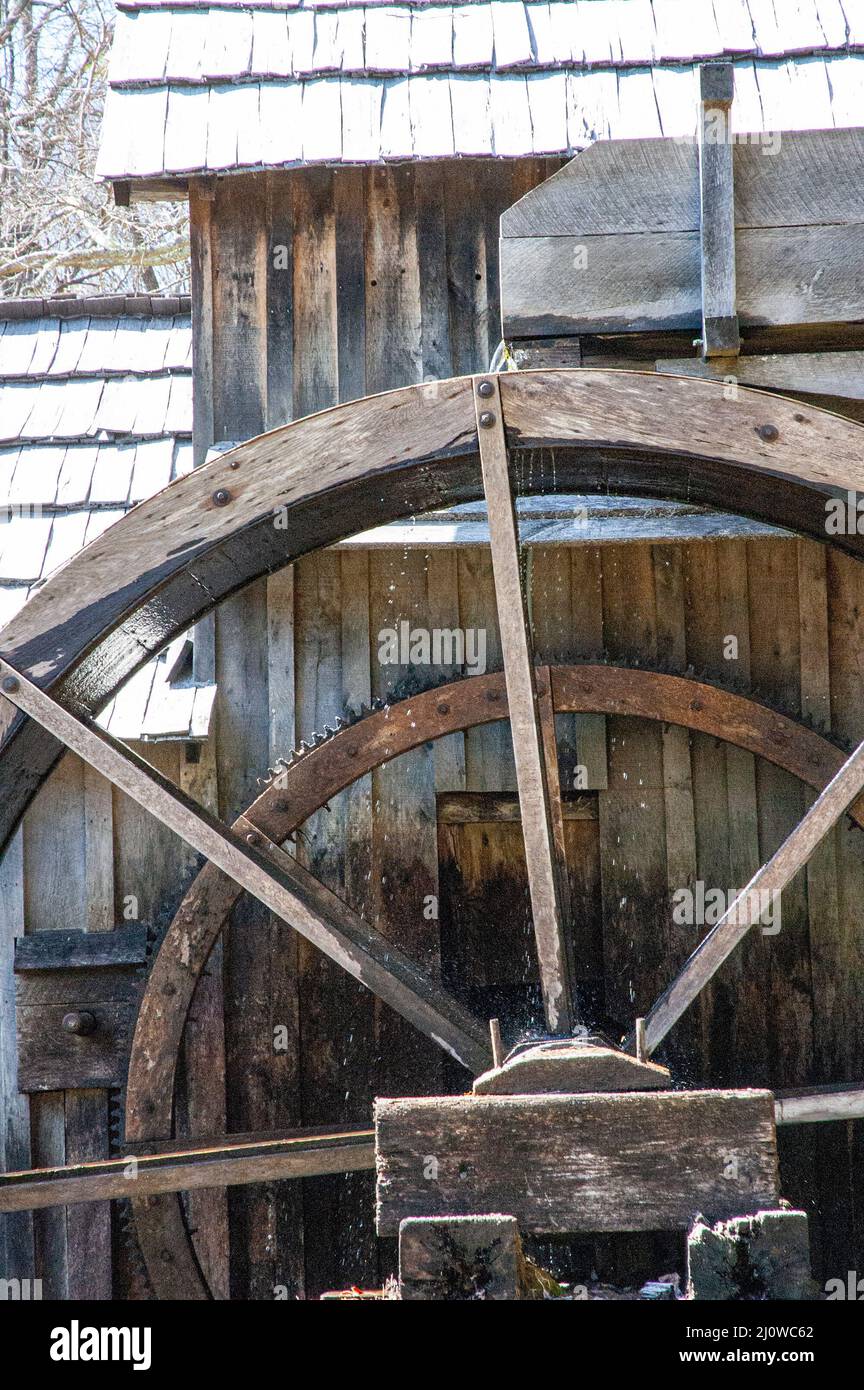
269	874
744	912
532	780
565	1164
720	336
827	373
183	1166
820	1105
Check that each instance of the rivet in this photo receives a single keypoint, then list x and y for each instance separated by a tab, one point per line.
485	389
10	684
443	708
487	420
235	463
769	433
221	497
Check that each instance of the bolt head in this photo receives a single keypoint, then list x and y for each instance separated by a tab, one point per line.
221	497
10	684
443	707
769	433
487	420
81	1023
485	389
253	838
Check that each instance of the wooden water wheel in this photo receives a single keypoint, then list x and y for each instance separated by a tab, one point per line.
178	555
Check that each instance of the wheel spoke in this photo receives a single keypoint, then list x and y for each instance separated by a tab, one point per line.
545	874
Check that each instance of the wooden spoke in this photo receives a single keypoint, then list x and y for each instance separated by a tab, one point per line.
270	875
748	906
545	873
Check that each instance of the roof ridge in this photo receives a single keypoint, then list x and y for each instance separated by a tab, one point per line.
96	306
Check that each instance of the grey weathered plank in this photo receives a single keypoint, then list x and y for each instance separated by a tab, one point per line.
74	950
638	282
816	373
622	186
626	1162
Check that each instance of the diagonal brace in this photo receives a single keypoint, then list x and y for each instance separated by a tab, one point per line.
270	875
744	912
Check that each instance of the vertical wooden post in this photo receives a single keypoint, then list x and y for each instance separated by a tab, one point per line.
720	337
201	196
531	770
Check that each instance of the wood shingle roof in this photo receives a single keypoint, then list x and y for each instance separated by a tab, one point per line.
203	88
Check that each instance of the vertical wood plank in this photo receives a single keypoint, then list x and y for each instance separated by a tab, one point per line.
679	807
16	1228
489	765
787	1000
586	585
715	1008
404	842
429	199
833	1229
733	1030
442	581
55	899
281	679
394	346
201	275
88	1227
204	1054
632	810
280	298
349	212
240	247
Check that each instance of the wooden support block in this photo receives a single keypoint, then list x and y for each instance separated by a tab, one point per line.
570	1164
764	1255
61	975
458	1258
575	1069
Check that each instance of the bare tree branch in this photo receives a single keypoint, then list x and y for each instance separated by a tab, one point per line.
58	226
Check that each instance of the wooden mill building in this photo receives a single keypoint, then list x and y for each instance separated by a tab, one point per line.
347	169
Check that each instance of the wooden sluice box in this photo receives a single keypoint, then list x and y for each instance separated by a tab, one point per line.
567	1154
